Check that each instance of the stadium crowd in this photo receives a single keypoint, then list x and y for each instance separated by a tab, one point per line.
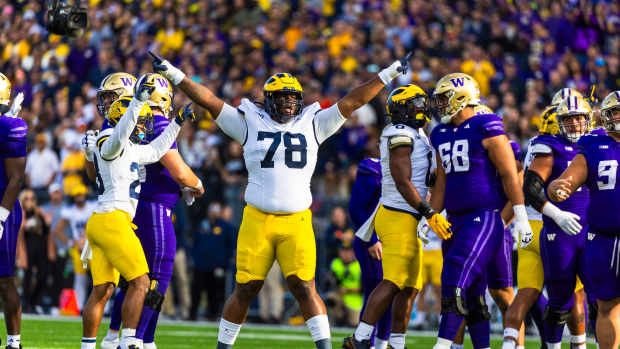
519	52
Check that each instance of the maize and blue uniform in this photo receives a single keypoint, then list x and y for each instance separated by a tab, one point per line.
364	198
12	145
563	255
602	155
473	199
158	195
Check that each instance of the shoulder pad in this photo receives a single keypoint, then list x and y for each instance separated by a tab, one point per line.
398	130
489	122
312	109
599	131
247	106
590	140
551	142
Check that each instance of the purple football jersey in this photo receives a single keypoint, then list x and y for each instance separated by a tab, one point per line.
472	182
159	186
564	152
602	155
12	144
516	150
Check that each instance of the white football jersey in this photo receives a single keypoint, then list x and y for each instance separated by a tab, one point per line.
422	164
118	176
77	217
280	158
532	213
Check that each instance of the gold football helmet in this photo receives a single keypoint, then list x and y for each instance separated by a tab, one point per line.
610	107
113	87
163	94
549	121
283	91
452	93
482	109
5	92
570	126
408	105
559	96
145	118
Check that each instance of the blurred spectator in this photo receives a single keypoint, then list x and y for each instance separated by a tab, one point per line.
73	166
58	268
345	303
338	231
36	239
271	296
75	216
214	243
41	167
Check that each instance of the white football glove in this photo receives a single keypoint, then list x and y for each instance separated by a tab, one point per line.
423	229
400	66
89	144
522	226
16	107
163	67
568	221
187	196
4	214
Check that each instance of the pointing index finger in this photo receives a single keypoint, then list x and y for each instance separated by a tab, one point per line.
155	57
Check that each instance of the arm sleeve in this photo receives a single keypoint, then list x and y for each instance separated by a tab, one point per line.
327	122
152	152
110	148
232	122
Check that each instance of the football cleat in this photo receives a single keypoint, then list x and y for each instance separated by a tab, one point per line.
351	343
109	344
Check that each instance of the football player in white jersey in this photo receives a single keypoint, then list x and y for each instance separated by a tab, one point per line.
76	216
280	144
110	233
408	163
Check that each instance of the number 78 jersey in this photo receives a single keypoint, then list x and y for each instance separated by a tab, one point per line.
280	158
602	155
472	181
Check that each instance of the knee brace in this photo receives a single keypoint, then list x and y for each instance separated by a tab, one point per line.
123	284
455	304
556	317
479	311
153	298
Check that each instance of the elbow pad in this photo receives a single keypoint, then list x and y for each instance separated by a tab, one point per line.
534	190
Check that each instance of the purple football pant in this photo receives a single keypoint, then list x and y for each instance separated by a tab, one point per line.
156	234
372	274
563	258
500	269
476	240
8	243
603	265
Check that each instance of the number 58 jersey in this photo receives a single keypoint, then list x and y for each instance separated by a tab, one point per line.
472	181
280	158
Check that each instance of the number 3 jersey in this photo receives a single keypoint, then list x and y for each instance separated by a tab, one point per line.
422	164
602	155
280	158
472	181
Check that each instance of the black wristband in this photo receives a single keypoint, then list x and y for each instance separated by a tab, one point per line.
425	209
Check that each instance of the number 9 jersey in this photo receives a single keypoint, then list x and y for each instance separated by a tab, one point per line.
280	157
472	182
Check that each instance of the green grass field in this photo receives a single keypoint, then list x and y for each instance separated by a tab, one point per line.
48	333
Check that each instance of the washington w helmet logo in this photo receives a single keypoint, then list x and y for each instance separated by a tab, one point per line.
458	82
162	82
127	81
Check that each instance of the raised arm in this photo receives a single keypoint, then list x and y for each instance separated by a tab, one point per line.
113	146
226	117
154	151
